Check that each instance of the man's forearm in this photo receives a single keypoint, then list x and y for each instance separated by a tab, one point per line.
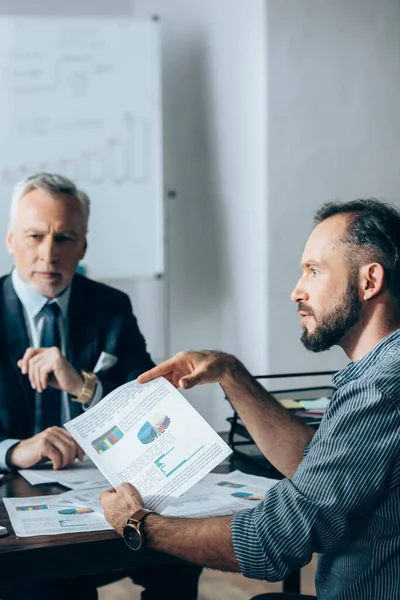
280	437
207	542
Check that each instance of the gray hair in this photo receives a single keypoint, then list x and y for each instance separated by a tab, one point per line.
55	185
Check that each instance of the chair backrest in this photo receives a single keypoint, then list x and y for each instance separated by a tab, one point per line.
297	391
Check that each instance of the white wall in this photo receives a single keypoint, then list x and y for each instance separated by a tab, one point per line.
214	72
333	133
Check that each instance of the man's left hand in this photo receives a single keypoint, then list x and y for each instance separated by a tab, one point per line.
120	504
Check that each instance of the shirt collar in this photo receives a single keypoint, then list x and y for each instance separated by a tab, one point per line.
355	369
32	301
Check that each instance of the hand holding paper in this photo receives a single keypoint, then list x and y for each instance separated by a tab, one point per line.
151	437
120	504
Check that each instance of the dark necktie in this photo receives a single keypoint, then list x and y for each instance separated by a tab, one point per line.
51	397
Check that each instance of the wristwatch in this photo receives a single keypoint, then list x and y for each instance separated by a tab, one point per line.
132	532
89	387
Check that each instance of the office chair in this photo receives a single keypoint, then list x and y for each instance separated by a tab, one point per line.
239	438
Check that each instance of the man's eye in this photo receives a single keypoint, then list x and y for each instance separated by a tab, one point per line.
314	272
63	238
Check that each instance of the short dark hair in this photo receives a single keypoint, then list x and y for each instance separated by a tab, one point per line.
372	235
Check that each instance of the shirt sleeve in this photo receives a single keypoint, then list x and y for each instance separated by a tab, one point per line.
97	396
345	472
5	445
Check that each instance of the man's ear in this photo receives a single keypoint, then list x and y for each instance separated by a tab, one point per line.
372	280
10	242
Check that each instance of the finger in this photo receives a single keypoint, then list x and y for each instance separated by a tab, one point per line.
129	491
43	376
39	376
80	453
54	455
23	363
175	382
43	369
64	434
162	370
105	497
33	374
125	487
199	376
64	443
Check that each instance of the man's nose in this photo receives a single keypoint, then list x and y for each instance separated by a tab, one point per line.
299	294
48	250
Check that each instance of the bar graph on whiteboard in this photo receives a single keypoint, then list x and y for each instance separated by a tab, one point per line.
122	157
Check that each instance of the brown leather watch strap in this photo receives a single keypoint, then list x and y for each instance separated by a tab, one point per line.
140	514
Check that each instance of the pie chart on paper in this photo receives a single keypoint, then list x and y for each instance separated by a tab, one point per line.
153	428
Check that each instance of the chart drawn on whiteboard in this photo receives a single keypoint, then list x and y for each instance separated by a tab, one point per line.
122	158
82	97
78	61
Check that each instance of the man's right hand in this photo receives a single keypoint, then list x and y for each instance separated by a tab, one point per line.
53	444
187	369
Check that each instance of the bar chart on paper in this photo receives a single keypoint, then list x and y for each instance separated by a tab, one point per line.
107	440
32	507
177	457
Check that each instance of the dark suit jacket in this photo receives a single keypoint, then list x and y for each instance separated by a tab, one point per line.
100	320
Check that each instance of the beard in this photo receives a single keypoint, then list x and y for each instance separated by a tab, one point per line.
334	324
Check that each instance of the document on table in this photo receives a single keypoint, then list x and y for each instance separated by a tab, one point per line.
75	475
70	512
217	495
150	436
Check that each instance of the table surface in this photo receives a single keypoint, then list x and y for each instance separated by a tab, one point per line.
74	554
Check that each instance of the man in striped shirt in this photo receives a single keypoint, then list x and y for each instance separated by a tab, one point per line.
341	497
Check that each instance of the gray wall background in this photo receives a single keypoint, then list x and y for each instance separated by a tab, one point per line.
271	107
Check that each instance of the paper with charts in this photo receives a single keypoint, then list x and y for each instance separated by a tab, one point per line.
221	494
150	436
76	511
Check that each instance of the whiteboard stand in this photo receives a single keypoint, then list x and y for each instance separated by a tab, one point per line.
170	195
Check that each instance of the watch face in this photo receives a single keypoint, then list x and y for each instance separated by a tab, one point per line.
132	537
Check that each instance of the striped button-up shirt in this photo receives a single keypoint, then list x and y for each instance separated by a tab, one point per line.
343	502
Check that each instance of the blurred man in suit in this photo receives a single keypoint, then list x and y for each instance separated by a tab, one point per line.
65	342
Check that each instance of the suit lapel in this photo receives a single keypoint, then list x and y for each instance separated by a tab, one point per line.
81	334
16	337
